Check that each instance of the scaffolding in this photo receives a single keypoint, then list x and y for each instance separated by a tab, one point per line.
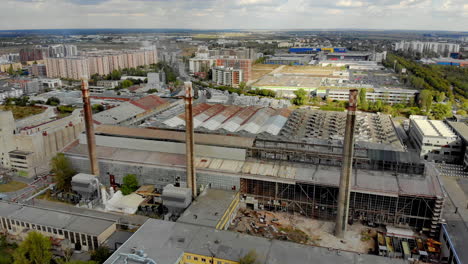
319	201
331	155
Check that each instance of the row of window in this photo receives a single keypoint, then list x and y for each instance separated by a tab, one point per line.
75	238
204	260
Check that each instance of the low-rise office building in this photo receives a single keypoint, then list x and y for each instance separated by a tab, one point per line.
79	232
435	140
386	95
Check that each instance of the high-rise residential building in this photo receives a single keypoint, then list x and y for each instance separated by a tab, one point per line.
227	76
31	54
101	62
441	48
238	64
73	68
39	70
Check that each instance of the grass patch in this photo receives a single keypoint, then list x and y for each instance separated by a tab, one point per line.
332	108
20	112
12	186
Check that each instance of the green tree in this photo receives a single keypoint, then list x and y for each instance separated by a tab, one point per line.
461	112
61	167
130	184
425	100
439	97
11	71
53	101
150	91
242	86
101	254
35	249
441	111
126	83
362	103
115	75
301	97
250	258
97	108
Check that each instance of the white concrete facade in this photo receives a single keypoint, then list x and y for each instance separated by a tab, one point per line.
435	140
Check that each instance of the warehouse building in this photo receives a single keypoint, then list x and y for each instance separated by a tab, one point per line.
83	232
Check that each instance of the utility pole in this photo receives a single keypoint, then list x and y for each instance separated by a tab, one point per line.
344	191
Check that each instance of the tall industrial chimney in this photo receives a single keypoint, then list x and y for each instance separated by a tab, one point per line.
91	140
189	144
347	166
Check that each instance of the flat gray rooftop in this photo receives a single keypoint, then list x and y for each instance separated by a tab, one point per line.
57	219
208	209
165	242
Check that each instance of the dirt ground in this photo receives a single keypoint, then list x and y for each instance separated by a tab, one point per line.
310	70
259	70
300	229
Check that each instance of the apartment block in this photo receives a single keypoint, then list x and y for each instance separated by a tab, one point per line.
227	76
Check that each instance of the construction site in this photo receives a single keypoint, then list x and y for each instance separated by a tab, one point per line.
333	180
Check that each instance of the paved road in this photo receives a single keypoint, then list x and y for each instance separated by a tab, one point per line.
457	220
121	218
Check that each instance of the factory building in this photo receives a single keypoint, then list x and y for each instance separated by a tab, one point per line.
27	145
297	170
79	232
131	112
435	140
179	243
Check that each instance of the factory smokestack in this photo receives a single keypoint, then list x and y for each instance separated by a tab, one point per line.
347	165
189	144
91	140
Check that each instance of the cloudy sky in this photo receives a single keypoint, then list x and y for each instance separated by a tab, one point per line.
235	14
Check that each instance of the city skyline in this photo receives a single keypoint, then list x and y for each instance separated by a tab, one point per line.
243	14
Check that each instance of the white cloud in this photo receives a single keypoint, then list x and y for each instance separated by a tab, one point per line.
349	3
248	14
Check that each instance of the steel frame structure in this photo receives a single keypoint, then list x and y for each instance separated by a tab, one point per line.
319	201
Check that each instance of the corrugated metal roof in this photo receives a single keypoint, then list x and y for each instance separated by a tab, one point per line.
207	114
255	123
149	102
461	129
118	114
205	139
215	122
274	124
239	118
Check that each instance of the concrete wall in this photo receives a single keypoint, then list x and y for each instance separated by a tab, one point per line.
152	174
